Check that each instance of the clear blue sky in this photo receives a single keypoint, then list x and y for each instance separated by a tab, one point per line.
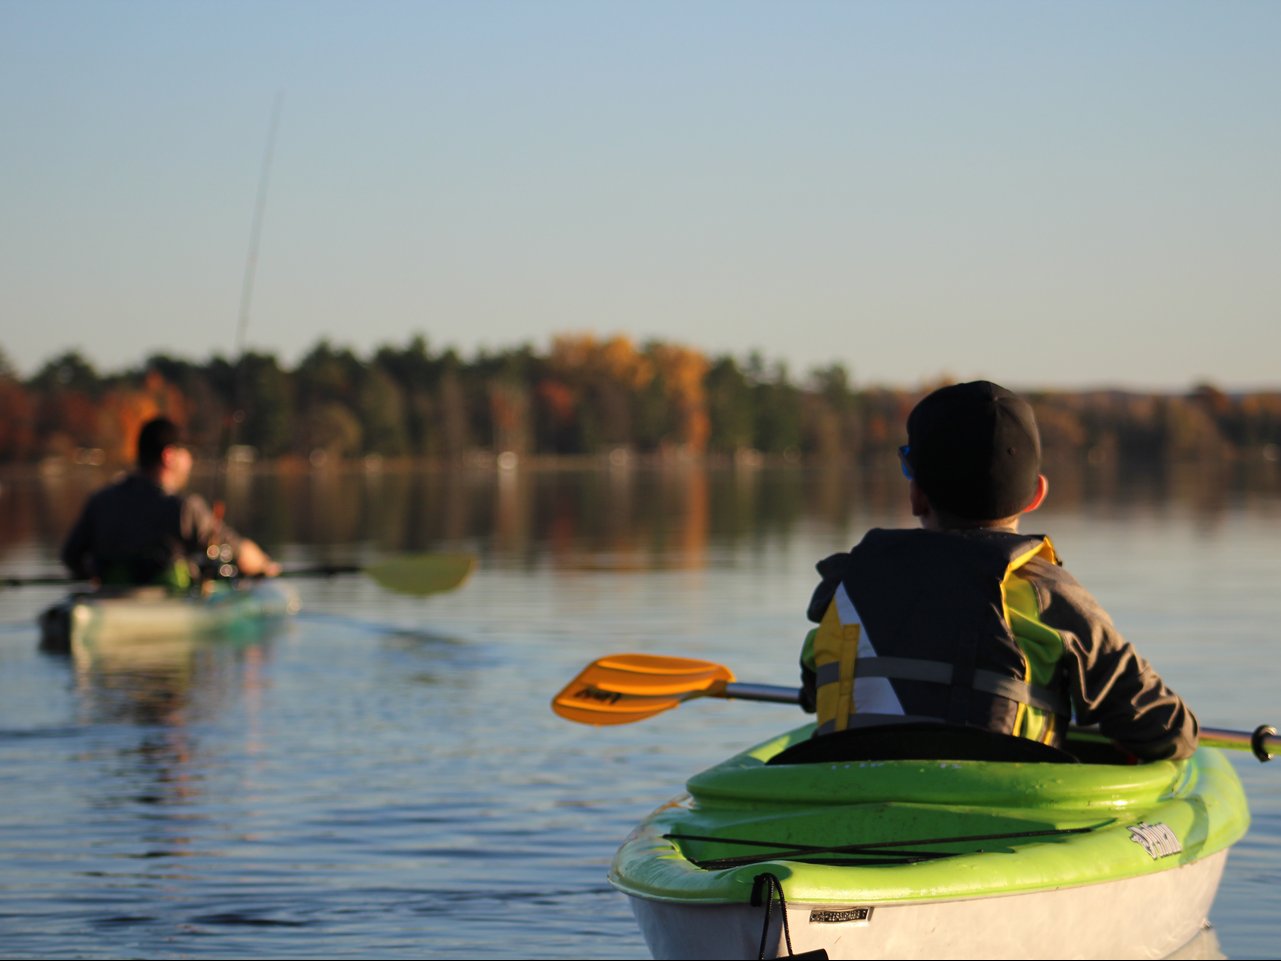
1058	194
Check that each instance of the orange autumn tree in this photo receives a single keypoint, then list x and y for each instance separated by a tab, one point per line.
126	408
615	358
599	393
589	391
681	372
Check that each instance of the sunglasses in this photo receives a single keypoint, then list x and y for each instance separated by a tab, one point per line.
903	462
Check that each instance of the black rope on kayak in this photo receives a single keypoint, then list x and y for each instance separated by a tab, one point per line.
797	852
763	887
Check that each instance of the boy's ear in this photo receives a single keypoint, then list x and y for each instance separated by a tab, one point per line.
1042	488
916	497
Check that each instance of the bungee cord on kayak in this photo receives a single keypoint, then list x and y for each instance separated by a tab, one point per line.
795	852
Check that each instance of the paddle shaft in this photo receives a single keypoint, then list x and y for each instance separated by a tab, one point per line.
774	693
1263	742
59	580
416	574
50	580
320	570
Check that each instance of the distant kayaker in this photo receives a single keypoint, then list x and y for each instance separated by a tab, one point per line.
144	530
968	622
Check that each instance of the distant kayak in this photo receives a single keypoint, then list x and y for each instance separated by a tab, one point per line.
102	618
861	851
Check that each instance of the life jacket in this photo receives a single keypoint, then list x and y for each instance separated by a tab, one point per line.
939	626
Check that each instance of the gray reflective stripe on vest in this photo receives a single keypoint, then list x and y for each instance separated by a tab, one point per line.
940	672
1032	695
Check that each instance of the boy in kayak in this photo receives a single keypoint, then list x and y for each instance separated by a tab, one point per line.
968	622
143	530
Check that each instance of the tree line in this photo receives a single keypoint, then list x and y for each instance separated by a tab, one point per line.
583	396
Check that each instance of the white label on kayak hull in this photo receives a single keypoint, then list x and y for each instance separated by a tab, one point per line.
1157	839
855	915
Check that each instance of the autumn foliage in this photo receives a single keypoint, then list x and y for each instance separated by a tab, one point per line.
584	396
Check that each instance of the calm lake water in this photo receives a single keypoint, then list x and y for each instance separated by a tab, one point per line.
383	778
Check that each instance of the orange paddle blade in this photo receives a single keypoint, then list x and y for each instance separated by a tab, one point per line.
623	688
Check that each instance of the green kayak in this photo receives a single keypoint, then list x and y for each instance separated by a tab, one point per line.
852	847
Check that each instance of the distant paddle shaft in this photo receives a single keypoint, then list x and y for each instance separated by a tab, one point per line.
415	574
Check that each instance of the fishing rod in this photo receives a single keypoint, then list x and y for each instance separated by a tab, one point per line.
251	275
218	556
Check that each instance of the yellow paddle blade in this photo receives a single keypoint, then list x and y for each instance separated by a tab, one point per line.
422	574
623	688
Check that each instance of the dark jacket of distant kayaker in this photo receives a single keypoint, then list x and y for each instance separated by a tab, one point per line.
134	532
143	530
981	628
968	622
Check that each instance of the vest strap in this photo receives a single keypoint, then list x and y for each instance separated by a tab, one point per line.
941	672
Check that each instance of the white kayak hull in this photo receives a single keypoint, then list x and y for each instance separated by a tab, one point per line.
1151	916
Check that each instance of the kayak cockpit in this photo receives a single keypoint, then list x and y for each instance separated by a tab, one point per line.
920	741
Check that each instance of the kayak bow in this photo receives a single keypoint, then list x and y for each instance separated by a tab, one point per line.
908	858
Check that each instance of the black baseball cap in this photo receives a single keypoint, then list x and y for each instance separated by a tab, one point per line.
975	451
157	434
